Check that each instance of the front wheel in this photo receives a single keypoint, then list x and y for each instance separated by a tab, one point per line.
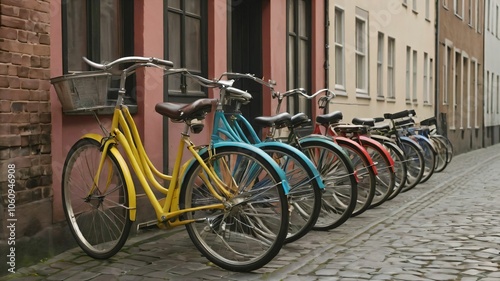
97	214
414	160
250	231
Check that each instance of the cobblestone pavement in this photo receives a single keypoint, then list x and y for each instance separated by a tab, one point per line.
445	229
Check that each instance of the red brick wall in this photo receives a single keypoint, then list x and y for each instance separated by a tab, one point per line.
25	128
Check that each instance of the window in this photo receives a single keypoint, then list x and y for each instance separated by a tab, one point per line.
496	21
488	10
186	46
431	81
414	76
380	65
339	49
414	6
445	4
464	97
458	8
100	31
361	46
391	62
487	96
405	2
470	14
473	77
408	75
457	89
427	10
475	91
299	52
426	77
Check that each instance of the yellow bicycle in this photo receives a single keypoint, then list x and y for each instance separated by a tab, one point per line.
232	197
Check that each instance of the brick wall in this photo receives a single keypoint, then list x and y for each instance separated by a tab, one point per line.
25	129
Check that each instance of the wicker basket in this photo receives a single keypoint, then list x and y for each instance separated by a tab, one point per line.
82	91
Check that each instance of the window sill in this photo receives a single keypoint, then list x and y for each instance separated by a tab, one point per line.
391	100
380	98
340	92
363	95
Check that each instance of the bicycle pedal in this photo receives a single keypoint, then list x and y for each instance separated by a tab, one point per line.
147	225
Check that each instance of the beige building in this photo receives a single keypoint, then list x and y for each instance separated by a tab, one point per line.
382	57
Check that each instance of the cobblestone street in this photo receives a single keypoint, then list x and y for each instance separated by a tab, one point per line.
445	229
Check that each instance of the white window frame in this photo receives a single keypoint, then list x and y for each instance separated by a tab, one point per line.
415	76
408	74
475	92
470	14
339	47
426	79
391	65
427	10
431	81
362	17
414	6
458	8
380	65
465	77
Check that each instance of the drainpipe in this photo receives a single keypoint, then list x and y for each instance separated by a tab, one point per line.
436	66
326	66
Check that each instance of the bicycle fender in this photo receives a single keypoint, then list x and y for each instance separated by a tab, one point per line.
425	139
308	161
381	147
126	173
361	148
281	173
324	139
410	140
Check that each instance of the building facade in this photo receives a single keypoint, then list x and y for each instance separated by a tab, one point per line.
382	57
461	60
491	73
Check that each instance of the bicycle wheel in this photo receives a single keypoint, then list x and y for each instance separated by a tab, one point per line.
340	193
441	154
304	197
250	231
365	174
399	167
414	159
97	215
448	144
385	178
429	157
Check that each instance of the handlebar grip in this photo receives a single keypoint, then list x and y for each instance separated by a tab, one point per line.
162	62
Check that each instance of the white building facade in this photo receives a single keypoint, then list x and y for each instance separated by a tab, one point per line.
382	57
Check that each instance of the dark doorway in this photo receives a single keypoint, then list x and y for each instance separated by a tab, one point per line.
245	50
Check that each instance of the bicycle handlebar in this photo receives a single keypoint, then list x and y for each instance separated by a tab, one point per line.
152	61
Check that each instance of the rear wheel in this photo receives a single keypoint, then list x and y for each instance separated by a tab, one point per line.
399	167
340	193
429	157
414	160
250	231
385	178
304	196
365	175
441	154
97	214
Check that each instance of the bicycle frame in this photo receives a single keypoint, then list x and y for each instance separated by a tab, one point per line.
128	137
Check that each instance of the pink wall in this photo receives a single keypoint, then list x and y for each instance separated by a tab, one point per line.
66	130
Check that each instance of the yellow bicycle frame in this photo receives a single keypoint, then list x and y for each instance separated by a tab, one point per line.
167	209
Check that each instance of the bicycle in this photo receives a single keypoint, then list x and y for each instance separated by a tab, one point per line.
231	197
385	177
413	152
339	195
406	126
442	145
306	184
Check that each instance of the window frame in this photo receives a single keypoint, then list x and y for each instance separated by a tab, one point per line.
363	91
339	47
380	64
184	94
391	65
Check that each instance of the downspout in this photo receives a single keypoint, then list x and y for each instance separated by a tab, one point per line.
436	66
326	66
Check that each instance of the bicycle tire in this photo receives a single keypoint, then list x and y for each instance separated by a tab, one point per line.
100	221
414	162
429	157
365	174
448	144
399	167
304	196
385	177
441	154
250	231
340	193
